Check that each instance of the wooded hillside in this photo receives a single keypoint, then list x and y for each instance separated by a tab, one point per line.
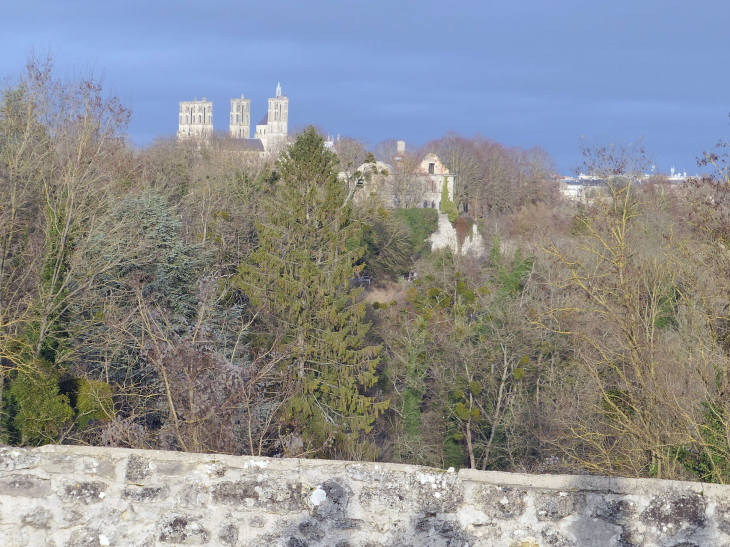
191	296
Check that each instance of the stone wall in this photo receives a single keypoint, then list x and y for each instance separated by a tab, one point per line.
83	497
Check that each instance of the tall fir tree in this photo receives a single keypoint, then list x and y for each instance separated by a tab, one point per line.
298	280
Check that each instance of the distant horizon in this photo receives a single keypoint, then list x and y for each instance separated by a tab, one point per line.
523	74
564	168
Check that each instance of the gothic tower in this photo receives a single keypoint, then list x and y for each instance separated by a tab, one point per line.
240	125
278	122
196	119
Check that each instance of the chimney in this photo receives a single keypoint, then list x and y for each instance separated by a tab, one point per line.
401	150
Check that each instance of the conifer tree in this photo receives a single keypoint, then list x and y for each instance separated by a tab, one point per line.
298	281
447	206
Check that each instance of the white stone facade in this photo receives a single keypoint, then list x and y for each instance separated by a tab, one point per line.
240	124
272	130
425	184
433	172
196	119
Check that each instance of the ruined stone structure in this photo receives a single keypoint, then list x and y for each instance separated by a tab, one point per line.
445	237
65	496
424	183
196	120
434	173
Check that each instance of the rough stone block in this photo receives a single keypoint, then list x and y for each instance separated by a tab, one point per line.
85	538
500	502
558	505
145	493
13	459
193	495
182	530
38	518
137	468
228	534
275	496
330	499
675	512
616	511
85	492
385	499
26	486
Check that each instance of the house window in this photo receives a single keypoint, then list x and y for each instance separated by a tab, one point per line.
431	168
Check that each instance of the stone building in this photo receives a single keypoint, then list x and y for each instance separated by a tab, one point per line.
417	184
406	182
240	125
433	173
273	128
196	119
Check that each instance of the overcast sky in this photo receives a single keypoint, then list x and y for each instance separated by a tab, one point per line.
522	72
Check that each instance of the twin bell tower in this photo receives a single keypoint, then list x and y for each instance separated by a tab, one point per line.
196	121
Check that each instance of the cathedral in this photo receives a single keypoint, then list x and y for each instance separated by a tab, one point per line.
196	121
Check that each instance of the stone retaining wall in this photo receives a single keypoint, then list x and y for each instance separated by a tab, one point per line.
82	497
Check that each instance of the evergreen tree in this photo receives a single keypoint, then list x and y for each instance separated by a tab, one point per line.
298	280
447	206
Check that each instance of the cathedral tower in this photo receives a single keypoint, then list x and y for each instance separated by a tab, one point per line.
278	122
240	125
196	119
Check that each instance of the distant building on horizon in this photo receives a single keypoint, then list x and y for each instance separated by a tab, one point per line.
240	124
196	121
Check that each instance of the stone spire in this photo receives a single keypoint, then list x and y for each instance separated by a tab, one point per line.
278	89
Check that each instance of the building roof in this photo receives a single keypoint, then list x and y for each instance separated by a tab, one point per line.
232	144
264	120
253	145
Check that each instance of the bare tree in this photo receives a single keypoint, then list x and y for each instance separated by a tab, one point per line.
409	185
644	364
218	400
461	157
352	155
